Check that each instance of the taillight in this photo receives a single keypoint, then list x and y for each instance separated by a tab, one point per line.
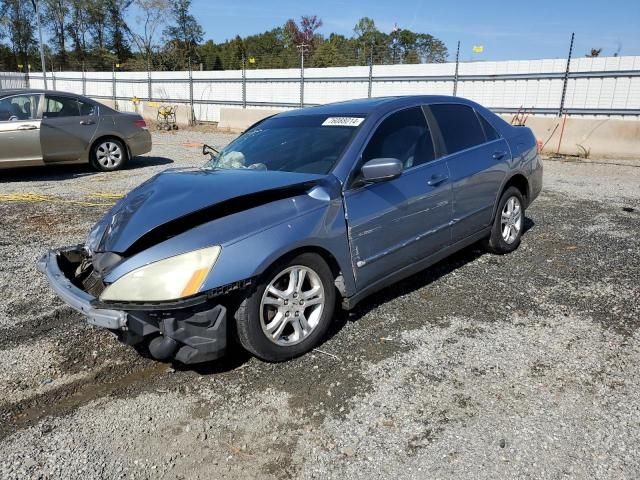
140	123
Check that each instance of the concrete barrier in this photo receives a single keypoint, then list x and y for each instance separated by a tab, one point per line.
587	137
149	110
238	119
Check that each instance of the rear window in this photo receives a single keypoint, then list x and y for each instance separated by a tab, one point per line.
459	126
489	131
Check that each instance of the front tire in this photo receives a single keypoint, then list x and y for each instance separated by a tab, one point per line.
289	311
108	154
506	231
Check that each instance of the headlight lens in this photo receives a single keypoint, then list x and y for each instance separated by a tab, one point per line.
169	279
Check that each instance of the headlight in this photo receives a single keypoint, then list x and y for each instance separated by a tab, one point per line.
169	279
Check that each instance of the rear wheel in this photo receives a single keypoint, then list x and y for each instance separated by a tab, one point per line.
108	154
506	231
290	310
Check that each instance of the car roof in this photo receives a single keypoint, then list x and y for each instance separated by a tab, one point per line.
365	106
36	91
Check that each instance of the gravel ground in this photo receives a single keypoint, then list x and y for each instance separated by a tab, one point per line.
520	366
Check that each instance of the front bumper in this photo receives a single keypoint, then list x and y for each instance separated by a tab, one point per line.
76	298
191	334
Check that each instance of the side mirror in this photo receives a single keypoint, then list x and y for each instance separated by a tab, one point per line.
380	169
208	149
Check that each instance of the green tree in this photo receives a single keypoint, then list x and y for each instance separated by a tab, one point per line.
58	11
337	51
16	23
185	33
117	29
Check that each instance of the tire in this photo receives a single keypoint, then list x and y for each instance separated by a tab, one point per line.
109	154
499	242
282	326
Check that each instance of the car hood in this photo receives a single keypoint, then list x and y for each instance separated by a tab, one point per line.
177	200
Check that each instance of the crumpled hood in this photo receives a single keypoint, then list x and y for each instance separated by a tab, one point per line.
179	199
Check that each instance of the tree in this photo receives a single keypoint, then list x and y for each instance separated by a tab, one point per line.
305	33
186	33
334	52
117	29
78	27
153	17
18	26
57	11
595	52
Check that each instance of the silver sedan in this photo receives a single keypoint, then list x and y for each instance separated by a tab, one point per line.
39	127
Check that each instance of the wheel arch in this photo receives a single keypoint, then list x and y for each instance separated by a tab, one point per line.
322	252
518	180
104	137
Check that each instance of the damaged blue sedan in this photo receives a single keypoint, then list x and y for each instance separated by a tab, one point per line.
305	211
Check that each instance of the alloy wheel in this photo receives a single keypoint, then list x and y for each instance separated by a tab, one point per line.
292	305
511	220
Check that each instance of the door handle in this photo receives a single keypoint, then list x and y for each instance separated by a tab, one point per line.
499	155
437	180
87	122
27	127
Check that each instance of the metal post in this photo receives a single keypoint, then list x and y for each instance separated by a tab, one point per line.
26	76
455	76
191	110
370	71
84	81
149	89
566	77
44	67
244	81
302	50
53	78
114	87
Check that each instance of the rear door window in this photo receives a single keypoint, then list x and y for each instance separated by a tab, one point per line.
459	126
59	107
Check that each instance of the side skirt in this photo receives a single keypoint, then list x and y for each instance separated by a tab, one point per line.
350	302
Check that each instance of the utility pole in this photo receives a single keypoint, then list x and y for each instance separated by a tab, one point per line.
302	47
44	67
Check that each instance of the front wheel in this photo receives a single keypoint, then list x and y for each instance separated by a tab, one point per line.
108	155
506	231
289	311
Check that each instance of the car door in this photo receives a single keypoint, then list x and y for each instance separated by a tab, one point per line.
397	222
477	158
68	127
20	130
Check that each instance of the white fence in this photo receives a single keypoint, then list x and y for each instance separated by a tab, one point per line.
594	86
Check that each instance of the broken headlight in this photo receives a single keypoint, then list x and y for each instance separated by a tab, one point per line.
169	279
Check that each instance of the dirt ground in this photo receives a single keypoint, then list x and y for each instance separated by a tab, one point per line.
517	366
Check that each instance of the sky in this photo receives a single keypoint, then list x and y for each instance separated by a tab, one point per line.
507	30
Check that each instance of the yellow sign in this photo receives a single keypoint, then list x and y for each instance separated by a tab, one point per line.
20	65
252	60
478	48
153	104
135	100
117	65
